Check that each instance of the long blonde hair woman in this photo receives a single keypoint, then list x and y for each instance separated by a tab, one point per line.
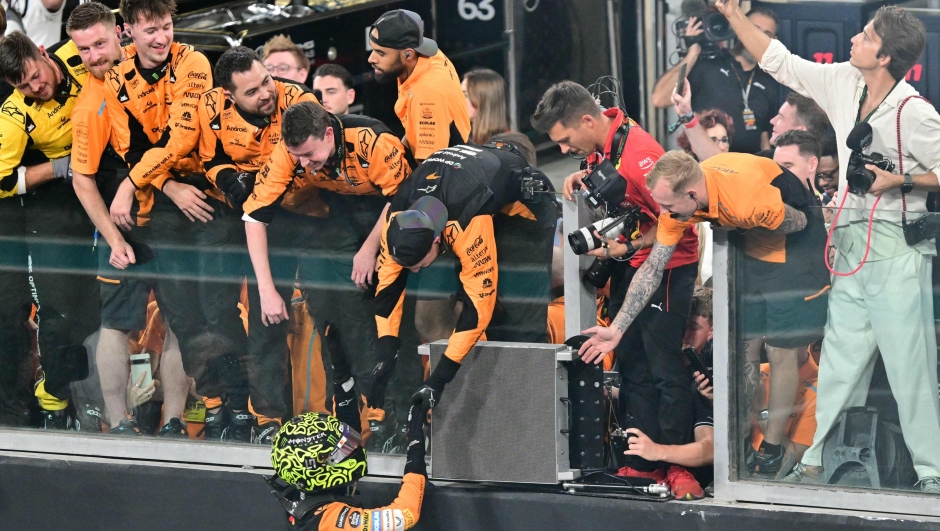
485	91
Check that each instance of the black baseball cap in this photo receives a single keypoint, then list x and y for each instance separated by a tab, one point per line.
399	29
411	232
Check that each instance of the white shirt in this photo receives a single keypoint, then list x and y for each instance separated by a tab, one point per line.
837	88
42	26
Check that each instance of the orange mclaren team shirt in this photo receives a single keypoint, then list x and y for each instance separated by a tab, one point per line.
153	112
741	195
432	107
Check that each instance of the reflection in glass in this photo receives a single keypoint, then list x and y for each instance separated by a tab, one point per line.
859	400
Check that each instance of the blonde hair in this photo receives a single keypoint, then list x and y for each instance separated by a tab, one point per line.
486	91
677	168
283	43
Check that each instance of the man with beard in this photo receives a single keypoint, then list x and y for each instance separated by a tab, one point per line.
37	199
97	171
152	103
240	126
430	103
731	82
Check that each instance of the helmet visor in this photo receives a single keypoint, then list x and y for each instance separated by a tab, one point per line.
346	445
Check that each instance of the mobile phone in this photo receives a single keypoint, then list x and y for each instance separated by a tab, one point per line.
697	364
680	83
140	364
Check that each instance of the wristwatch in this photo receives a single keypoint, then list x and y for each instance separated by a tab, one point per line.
630	248
908	185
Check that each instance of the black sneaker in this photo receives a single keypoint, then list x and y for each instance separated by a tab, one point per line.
215	425
264	434
128	428
88	419
175	429
766	463
239	429
56	420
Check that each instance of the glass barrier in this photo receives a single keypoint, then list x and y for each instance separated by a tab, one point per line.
183	344
836	365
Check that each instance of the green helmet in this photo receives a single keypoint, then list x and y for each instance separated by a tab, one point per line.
316	451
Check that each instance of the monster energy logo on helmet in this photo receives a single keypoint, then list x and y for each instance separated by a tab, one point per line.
305	453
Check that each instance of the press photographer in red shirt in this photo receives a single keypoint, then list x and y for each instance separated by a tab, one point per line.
656	396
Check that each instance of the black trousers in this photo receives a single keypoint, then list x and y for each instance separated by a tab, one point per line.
524	250
15	306
63	276
655	391
201	268
317	254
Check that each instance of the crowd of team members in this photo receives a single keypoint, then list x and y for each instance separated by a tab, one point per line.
155	201
235	214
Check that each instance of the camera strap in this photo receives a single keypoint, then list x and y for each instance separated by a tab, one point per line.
620	140
901	153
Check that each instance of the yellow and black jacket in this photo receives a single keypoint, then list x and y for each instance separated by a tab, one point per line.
42	126
233	140
369	160
154	126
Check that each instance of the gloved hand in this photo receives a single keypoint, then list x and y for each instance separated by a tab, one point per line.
236	186
415	437
427	396
62	168
342	370
430	393
387	348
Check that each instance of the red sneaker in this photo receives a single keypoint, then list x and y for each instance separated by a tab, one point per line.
657	475
683	485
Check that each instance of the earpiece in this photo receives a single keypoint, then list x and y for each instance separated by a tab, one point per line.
407	55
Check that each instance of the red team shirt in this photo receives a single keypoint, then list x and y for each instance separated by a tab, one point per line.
639	155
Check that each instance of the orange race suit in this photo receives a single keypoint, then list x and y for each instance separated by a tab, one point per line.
368	166
474	183
231	140
369	160
153	113
234	145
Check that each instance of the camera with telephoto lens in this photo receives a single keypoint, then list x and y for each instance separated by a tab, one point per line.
858	177
584	240
604	187
715	29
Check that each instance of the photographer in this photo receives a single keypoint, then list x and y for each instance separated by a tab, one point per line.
730	81
656	390
885	302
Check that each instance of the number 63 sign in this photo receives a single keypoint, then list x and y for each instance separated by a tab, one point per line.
482	10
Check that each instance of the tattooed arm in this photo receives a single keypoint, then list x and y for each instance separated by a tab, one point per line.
793	221
645	282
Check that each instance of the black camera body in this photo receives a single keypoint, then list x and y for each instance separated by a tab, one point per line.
604	186
861	178
858	177
715	29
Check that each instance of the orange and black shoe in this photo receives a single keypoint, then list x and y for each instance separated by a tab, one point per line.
215	425
767	461
683	485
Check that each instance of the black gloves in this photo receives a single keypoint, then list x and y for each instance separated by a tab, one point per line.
415	462
342	370
430	393
387	348
236	186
